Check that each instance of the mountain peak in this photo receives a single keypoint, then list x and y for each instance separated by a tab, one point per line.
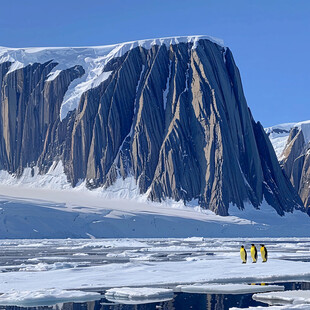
173	118
93	59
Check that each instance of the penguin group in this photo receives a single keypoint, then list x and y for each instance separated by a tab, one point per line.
263	252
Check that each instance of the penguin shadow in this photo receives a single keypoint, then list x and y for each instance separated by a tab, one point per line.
253	252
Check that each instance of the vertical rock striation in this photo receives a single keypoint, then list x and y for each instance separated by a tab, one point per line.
296	164
173	117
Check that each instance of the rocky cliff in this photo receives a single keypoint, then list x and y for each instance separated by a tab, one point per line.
171	114
295	157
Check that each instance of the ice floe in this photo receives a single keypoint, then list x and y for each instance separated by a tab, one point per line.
286	297
142	273
198	264
136	295
45	297
227	288
287	307
46	267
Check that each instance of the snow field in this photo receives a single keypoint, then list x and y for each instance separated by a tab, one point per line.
46	206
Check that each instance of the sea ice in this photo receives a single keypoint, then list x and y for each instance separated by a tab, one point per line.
134	295
46	267
286	297
227	288
287	307
45	297
135	263
212	269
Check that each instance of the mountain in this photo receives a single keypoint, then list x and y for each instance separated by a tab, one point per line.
169	113
292	145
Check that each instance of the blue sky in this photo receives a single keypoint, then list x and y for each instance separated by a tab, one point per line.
270	39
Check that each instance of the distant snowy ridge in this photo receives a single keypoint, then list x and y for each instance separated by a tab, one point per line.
291	142
93	59
279	134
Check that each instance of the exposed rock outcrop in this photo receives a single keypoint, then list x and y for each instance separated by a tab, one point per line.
296	163
174	117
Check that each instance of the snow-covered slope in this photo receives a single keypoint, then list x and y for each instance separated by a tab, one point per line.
279	135
93	59
78	213
47	206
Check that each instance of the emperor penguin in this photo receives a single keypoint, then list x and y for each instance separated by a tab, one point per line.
243	254
253	253
264	253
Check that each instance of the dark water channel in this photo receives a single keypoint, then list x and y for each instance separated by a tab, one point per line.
181	301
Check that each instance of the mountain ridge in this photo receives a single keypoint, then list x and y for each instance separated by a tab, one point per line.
292	144
173	117
91	58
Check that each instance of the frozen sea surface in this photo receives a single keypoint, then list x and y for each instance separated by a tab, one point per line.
149	266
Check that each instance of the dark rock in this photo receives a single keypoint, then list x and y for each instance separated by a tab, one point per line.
295	162
195	140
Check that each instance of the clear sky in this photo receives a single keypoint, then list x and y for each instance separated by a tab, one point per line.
270	39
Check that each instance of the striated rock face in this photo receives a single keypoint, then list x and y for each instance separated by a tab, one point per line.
296	163
174	117
30	113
